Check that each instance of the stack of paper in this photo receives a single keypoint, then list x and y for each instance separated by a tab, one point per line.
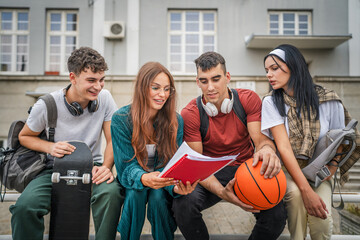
189	165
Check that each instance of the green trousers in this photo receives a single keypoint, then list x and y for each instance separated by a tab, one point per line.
27	221
159	214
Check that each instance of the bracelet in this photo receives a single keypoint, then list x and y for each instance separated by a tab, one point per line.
268	146
334	160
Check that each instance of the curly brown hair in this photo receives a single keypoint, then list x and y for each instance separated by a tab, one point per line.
85	57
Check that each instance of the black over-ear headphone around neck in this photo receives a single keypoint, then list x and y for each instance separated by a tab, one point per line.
75	108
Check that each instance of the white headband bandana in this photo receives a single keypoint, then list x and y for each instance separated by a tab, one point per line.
279	53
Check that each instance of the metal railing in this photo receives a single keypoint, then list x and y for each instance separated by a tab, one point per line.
349	197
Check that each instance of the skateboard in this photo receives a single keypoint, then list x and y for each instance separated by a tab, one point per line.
71	193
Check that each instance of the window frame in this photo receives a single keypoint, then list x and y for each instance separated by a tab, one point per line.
14	33
182	33
62	33
280	14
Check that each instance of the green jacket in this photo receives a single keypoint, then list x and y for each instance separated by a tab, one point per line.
129	172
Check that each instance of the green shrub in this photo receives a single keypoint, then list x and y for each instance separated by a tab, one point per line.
353	208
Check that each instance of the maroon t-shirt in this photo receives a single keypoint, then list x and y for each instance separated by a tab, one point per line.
226	134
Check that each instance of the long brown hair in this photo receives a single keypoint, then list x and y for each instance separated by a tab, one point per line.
165	121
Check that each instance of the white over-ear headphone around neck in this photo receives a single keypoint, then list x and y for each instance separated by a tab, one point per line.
226	106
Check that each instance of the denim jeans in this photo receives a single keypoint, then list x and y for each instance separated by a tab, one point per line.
187	211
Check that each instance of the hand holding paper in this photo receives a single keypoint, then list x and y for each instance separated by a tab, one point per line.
189	165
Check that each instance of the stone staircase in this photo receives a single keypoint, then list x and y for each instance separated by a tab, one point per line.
353	185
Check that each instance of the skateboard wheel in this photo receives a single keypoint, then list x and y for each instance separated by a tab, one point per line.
86	178
55	177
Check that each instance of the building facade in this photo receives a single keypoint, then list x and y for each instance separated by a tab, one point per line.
37	36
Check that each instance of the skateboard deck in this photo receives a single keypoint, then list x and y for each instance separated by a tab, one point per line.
71	193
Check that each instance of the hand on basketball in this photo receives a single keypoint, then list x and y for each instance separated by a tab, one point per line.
271	164
152	180
59	149
101	174
182	189
229	195
314	205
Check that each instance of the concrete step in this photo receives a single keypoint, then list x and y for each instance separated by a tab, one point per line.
216	237
356	166
354	171
354	178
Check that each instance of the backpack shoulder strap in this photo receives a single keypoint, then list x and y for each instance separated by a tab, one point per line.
51	113
238	107
204	118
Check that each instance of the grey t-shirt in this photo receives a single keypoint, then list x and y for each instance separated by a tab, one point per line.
331	116
86	127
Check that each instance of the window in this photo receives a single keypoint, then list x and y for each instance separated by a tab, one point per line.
62	39
289	23
191	33
14	41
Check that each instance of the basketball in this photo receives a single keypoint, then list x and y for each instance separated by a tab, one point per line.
255	190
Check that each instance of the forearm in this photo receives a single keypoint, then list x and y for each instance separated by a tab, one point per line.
334	163
108	156
294	170
213	185
266	142
35	143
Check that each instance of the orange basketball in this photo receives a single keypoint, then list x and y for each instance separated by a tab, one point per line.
257	191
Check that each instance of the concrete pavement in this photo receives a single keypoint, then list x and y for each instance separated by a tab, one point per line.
223	218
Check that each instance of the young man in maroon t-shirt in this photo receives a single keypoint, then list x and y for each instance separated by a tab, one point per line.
226	135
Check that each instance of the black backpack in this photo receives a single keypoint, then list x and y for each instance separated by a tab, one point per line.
18	164
204	118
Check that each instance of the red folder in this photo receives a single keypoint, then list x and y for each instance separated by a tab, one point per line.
191	166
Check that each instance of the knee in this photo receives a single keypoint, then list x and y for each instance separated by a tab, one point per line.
19	209
111	192
159	200
23	207
320	227
185	206
158	195
293	196
275	218
134	198
280	214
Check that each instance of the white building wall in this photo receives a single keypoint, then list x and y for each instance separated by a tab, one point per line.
354	43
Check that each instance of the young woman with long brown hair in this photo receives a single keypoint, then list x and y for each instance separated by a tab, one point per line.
296	114
145	136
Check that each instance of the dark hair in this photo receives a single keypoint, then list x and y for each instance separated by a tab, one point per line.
166	120
86	57
210	60
300	82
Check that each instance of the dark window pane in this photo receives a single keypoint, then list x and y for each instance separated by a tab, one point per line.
23	16
303	18
55	17
289	25
192	16
289	16
209	17
274	17
289	32
175	16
